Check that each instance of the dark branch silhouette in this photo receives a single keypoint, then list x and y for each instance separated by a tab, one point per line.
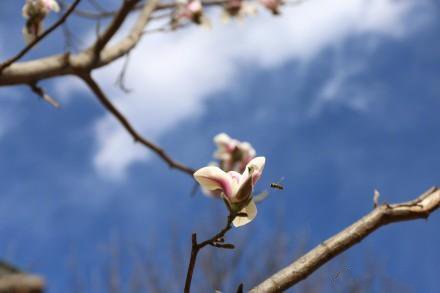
216	241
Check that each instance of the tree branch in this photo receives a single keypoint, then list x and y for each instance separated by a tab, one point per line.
32	44
114	26
420	208
83	63
13	280
95	88
19	283
66	64
161	6
215	241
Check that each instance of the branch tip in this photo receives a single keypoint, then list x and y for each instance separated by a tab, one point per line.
44	96
376	198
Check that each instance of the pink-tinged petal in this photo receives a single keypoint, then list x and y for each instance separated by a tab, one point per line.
225	142
225	146
235	178
257	166
251	212
195	6
257	163
52	5
214	179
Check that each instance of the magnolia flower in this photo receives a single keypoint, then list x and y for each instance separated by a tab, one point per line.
35	11
272	5
190	10
234	187
233	154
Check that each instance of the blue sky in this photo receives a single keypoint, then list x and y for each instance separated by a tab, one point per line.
340	98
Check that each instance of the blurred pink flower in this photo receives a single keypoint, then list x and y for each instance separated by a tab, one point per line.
35	11
189	10
233	154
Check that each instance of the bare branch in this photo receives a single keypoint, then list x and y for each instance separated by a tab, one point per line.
95	88
420	208
66	64
120	81
114	26
16	283
83	63
13	280
23	52
161	6
215	241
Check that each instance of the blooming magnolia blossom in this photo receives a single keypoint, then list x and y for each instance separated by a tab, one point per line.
234	187
35	11
233	154
272	5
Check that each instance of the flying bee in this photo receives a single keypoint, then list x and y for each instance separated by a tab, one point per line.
277	185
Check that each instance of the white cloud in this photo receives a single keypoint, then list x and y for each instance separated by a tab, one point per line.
172	73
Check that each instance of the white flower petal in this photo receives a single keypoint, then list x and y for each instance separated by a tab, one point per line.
257	165
222	138
52	5
251	212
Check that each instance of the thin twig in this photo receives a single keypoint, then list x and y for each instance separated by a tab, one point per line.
114	26
120	80
376	198
44	96
40	37
420	208
215	241
96	89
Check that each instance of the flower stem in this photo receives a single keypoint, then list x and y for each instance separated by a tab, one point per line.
196	247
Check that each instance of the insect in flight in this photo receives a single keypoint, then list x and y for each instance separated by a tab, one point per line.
277	185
